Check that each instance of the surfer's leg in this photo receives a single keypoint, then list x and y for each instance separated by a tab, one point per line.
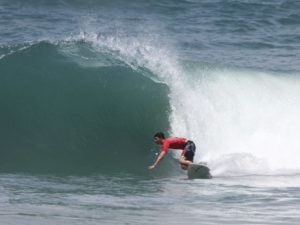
184	162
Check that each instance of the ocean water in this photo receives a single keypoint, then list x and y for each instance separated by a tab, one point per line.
84	85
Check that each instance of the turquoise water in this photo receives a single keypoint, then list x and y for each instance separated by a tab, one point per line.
85	85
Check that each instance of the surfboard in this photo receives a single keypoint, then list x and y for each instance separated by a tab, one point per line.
198	171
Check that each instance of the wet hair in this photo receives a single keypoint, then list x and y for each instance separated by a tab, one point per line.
159	135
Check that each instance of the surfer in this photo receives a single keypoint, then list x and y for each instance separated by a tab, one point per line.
188	149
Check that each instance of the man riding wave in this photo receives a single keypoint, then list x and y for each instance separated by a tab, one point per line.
179	143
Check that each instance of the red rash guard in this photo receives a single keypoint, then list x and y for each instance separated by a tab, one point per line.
174	143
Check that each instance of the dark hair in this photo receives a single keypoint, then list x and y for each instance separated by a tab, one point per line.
159	135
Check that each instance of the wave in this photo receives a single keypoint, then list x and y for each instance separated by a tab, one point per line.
92	103
61	116
243	121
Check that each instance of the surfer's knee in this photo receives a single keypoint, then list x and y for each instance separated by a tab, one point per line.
184	161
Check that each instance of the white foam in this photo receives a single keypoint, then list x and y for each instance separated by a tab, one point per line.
244	122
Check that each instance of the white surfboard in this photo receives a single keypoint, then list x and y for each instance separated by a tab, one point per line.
198	171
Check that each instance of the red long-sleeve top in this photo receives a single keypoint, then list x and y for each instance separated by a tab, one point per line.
173	143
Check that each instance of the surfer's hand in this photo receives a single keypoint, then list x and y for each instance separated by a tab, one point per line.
151	167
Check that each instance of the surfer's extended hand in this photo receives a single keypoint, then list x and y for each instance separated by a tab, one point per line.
151	167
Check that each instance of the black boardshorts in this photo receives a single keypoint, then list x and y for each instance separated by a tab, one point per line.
189	151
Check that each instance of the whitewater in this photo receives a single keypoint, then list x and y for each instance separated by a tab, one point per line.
84	86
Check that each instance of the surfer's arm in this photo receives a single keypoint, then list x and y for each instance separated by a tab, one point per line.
159	158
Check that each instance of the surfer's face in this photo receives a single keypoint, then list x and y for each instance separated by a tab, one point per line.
157	140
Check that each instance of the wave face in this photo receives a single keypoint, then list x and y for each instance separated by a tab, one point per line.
60	116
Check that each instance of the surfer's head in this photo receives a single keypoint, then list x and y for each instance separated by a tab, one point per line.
158	137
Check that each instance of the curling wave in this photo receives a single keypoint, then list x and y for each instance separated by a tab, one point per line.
61	116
